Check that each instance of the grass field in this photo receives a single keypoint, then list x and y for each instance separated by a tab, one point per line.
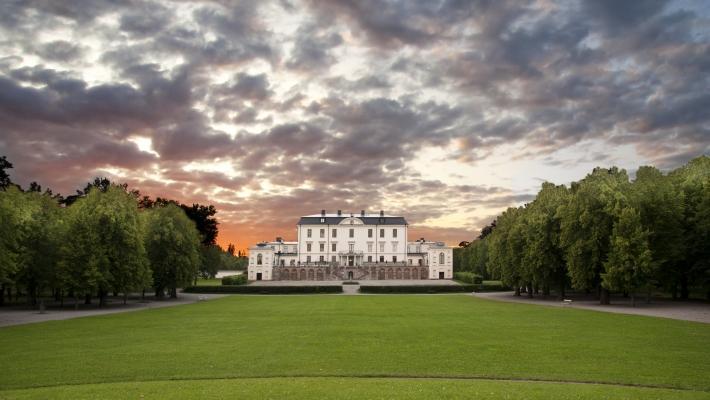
390	346
209	282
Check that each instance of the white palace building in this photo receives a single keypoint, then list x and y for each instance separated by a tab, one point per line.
346	246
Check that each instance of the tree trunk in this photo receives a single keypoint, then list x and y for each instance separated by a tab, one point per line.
562	290
115	293
530	290
2	295
102	297
57	294
633	299
684	293
517	290
125	296
159	293
546	290
173	293
76	302
604	297
87	298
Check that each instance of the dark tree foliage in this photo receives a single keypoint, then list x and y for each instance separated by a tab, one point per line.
230	249
203	216
487	230
4	177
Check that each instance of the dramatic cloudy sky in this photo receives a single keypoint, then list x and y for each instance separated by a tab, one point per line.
444	111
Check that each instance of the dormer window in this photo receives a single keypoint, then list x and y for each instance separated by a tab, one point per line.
322	220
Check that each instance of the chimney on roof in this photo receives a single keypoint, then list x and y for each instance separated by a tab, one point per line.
382	213
279	239
362	213
340	212
322	213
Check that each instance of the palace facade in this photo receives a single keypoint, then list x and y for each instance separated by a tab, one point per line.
346	246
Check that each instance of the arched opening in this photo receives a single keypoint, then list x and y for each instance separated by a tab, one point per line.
311	275
292	263
406	274
441	258
398	275
258	259
303	275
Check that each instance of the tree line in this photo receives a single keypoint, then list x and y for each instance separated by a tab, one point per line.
104	239
604	233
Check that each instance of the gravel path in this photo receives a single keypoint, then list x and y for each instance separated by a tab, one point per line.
684	310
18	316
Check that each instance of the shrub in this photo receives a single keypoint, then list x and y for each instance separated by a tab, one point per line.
418	289
468	277
491	286
350	283
234	280
264	289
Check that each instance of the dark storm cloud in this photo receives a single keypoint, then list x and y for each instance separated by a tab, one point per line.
312	48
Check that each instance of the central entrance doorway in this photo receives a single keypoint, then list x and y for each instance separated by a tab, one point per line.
351	261
350	275
441	275
258	276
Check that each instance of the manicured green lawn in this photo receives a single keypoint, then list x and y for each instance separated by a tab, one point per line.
347	346
209	282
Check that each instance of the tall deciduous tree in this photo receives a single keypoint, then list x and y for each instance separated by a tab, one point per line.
629	266
11	236
586	223
692	181
173	247
40	244
105	251
543	255
660	207
505	249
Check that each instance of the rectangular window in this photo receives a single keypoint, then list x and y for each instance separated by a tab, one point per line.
322	247
308	247
369	247
334	246
322	233
382	233
352	232
308	259
333	259
394	247
369	258
394	258
382	247
308	233
382	258
351	247
335	233
321	258
369	233
410	262
394	233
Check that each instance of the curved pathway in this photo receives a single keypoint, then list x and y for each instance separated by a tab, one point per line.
697	311
18	316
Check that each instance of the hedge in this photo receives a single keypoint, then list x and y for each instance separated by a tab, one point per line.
264	289
491	287
468	277
235	280
418	289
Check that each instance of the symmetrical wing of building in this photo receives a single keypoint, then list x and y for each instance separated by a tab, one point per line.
350	246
